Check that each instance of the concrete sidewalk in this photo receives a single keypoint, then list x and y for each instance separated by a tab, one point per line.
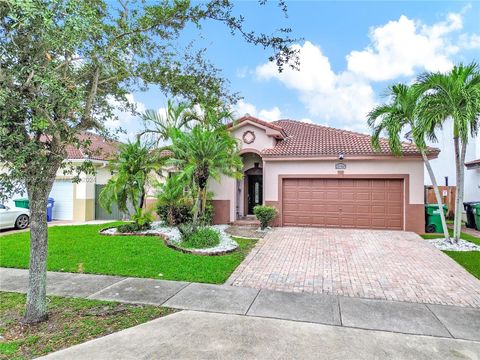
399	317
202	335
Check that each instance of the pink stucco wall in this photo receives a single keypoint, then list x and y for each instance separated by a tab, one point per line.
262	140
413	168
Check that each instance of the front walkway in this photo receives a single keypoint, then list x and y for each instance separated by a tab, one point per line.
388	265
399	317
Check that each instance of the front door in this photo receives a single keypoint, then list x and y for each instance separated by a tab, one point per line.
255	192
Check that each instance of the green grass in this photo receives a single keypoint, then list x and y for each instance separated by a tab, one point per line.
82	249
470	260
71	321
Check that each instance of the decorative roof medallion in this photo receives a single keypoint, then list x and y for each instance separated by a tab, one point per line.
248	137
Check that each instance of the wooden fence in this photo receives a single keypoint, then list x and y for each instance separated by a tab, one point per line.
447	194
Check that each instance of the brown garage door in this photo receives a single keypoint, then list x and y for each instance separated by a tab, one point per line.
346	203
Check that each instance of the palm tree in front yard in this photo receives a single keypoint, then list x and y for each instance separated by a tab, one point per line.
157	125
454	95
201	154
132	169
395	118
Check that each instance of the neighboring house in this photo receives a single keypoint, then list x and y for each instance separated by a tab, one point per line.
78	201
444	165
320	176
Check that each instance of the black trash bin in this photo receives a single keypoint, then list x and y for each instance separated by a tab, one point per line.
470	215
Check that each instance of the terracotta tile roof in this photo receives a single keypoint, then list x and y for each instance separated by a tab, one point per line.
99	149
247	117
307	140
165	153
473	163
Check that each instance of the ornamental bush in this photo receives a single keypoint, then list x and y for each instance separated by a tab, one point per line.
265	214
199	237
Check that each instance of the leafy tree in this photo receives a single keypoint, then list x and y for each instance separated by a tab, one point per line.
132	169
65	66
157	126
201	154
454	95
395	118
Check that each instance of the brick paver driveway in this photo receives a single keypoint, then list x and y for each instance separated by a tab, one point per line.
391	265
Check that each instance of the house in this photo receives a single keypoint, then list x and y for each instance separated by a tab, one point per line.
78	201
320	176
444	165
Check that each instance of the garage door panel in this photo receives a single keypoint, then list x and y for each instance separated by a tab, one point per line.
317	208
381	196
333	221
333	195
379	209
395	196
363	195
347	195
394	210
62	193
349	203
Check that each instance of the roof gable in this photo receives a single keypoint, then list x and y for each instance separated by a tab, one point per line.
270	128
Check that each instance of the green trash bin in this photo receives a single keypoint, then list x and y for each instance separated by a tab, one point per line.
476	214
433	221
22	203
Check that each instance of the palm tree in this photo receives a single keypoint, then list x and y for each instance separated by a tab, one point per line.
396	117
132	169
201	154
157	126
454	95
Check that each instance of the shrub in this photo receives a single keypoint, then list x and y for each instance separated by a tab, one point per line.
173	206
200	237
175	214
207	217
186	230
132	227
143	218
265	214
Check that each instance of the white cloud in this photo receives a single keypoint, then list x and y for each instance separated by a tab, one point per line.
242	108
270	115
469	41
327	95
405	46
307	121
397	49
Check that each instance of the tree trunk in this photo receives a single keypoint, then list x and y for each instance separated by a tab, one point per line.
460	191
142	198
437	195
458	212
197	206
38	191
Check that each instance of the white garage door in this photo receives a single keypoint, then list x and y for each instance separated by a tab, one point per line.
62	193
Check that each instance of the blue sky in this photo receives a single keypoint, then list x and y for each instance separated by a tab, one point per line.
350	52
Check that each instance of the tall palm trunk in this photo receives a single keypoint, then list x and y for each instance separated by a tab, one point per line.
437	195
197	205
460	190
459	159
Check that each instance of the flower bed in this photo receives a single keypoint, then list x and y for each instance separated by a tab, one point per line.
173	239
462	245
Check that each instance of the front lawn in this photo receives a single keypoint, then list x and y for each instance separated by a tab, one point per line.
71	321
82	249
470	260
